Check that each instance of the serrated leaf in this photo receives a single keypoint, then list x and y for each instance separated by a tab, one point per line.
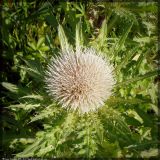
49	111
29	151
25	106
79	36
121	41
112	22
141	77
126	59
140	59
11	87
132	121
45	150
102	34
33	68
142	145
118	100
32	72
133	113
108	149
147	121
63	39
37	97
15	89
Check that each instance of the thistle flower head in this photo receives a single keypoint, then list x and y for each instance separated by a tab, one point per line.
82	80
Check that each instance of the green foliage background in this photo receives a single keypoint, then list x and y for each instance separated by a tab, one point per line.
33	125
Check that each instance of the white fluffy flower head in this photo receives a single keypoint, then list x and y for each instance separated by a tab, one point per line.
81	81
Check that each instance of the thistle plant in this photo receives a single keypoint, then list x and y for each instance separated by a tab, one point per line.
80	80
94	96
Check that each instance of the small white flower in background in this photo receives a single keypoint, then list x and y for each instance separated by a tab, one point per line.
80	80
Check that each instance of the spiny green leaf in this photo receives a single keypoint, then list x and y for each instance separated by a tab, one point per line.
108	149
115	125
121	41
133	113
32	72
24	106
49	111
29	151
102	34
45	150
141	77
63	39
126	59
146	117
37	97
79	35
132	121
15	88
33	68
11	87
140	59
142	145
112	22
117	100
